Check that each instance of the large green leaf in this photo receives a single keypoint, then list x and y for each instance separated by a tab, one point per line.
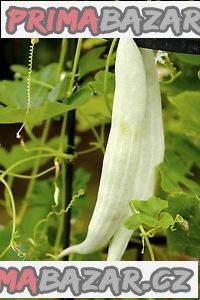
47	74
12	93
80	97
44	93
190	59
151	207
149	213
92	61
39	205
60	90
20	70
175	174
188	105
188	152
182	240
36	114
180	84
93	113
17	153
133	222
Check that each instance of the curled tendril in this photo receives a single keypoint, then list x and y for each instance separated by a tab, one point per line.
30	67
20	254
80	193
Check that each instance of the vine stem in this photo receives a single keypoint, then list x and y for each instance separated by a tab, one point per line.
75	66
147	243
34	172
61	146
107	66
10	180
46	155
12	201
63	52
110	53
87	151
144	235
30	176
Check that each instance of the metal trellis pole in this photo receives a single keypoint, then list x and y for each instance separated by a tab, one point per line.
70	167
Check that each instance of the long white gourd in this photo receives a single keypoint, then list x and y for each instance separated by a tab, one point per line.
151	153
122	151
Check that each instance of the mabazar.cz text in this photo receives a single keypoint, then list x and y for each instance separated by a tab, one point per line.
96	280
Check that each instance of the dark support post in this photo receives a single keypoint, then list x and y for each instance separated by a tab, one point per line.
70	167
69	177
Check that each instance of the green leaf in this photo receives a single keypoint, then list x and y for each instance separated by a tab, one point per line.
182	82
188	105
147	220
17	153
148	213
23	70
92	42
190	59
80	97
184	148
96	113
98	84
174	174
92	61
182	204
39	205
60	90
47	74
132	222
185	241
151	207
36	115
166	220
13	95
